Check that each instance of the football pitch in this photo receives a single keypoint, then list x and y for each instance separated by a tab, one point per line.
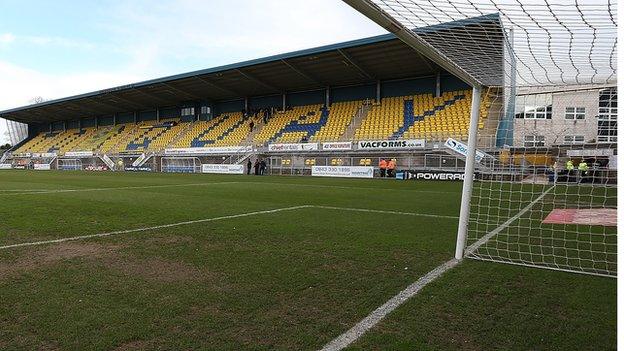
152	261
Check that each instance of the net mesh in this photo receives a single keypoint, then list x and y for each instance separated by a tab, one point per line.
545	193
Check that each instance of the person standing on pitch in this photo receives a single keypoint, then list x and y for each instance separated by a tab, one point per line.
257	167
390	168
263	167
248	166
382	167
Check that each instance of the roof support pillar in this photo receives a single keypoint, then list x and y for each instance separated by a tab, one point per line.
284	102
79	123
97	120
437	87
157	114
50	127
135	117
246	105
64	126
114	119
378	95
327	97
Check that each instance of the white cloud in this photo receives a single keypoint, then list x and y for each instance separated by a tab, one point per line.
158	37
7	38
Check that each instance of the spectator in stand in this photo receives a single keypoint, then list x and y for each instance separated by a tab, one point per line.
257	167
382	167
263	167
251	125
391	167
248	166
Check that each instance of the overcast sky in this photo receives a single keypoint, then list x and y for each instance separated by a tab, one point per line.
58	48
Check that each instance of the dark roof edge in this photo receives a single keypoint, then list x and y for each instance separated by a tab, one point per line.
242	64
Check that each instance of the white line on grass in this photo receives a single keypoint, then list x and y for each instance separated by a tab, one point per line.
475	246
382	311
385	212
246	214
116	188
60	240
54	191
355	187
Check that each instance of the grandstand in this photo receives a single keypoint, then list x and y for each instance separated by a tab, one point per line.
420	116
299	97
484	154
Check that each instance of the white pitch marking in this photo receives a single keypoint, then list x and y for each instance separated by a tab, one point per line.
473	248
382	311
385	212
116	188
80	237
354	187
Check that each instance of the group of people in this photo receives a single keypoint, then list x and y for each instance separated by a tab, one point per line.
572	173
265	113
387	167
259	167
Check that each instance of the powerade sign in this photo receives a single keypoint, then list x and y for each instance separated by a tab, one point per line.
438	176
462	149
424	175
391	144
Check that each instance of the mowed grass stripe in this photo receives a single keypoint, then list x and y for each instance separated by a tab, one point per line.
233	216
259	282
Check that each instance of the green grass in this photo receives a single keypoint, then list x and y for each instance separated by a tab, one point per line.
291	280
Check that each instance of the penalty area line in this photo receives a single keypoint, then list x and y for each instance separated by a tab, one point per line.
246	214
353	334
212	219
55	191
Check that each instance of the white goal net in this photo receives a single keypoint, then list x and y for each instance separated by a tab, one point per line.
180	165
546	72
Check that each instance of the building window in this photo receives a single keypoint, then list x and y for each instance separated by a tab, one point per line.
188	111
574	139
534	140
205	110
607	116
537	106
575	113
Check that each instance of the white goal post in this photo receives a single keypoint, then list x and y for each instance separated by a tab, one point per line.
548	198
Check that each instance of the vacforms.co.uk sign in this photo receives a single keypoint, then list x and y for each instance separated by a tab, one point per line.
391	144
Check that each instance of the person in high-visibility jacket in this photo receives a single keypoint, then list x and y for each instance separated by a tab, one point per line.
391	167
382	167
569	170
569	165
583	168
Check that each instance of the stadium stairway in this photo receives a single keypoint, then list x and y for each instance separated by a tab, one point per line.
249	139
356	122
